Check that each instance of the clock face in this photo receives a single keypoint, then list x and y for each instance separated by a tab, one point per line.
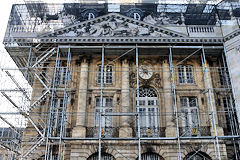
145	72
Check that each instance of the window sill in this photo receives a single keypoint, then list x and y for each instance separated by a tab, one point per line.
186	84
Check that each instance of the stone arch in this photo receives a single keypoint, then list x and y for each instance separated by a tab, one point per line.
150	156
103	156
197	156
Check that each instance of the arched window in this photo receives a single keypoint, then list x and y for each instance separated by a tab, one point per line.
91	15
148	108
151	156
197	156
137	16
104	156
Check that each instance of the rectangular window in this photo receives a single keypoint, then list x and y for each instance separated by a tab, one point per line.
185	74
189	116
149	121
107	74
106	121
224	76
107	107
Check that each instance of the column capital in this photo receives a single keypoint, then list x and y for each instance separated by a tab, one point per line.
84	59
165	61
125	61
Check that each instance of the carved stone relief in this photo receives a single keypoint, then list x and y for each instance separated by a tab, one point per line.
161	19
155	80
113	27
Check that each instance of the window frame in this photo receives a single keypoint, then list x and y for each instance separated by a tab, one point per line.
185	76
149	113
106	108
107	75
107	121
188	113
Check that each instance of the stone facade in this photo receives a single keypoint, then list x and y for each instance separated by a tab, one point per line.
153	83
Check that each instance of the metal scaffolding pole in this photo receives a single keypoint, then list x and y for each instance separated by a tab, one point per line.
65	108
48	155
210	98
101	107
175	102
138	110
28	63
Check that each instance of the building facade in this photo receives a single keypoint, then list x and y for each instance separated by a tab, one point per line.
141	81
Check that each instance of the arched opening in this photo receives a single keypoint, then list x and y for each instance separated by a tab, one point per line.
104	156
149	114
197	156
151	156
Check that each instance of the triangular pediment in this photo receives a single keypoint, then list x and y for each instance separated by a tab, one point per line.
113	25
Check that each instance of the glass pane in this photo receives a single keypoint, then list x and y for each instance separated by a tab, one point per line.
109	102
97	102
150	102
99	74
183	102
192	102
195	120
108	74
189	74
181	74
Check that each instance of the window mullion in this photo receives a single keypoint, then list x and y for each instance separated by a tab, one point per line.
185	74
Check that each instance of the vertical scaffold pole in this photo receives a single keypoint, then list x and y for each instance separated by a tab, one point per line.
28	63
101	106
218	155
51	109
65	107
138	115
174	102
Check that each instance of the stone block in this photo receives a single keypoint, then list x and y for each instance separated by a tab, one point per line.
125	132
79	131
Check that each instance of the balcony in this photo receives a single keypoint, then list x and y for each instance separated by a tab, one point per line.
106	132
194	132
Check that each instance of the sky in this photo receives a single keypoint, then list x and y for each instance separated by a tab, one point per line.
6	61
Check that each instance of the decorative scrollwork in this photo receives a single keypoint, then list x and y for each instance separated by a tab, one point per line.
155	80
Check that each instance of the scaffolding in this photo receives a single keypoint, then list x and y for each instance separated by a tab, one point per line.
112	95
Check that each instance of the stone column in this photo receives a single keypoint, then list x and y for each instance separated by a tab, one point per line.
170	129
125	130
80	129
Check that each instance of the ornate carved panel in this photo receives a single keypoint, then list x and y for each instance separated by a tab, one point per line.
114	25
155	80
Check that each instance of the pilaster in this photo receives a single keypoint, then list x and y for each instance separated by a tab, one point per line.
125	130
170	127
80	129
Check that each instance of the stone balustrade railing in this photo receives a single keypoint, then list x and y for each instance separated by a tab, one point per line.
200	29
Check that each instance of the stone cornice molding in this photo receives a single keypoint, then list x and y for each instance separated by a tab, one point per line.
232	35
